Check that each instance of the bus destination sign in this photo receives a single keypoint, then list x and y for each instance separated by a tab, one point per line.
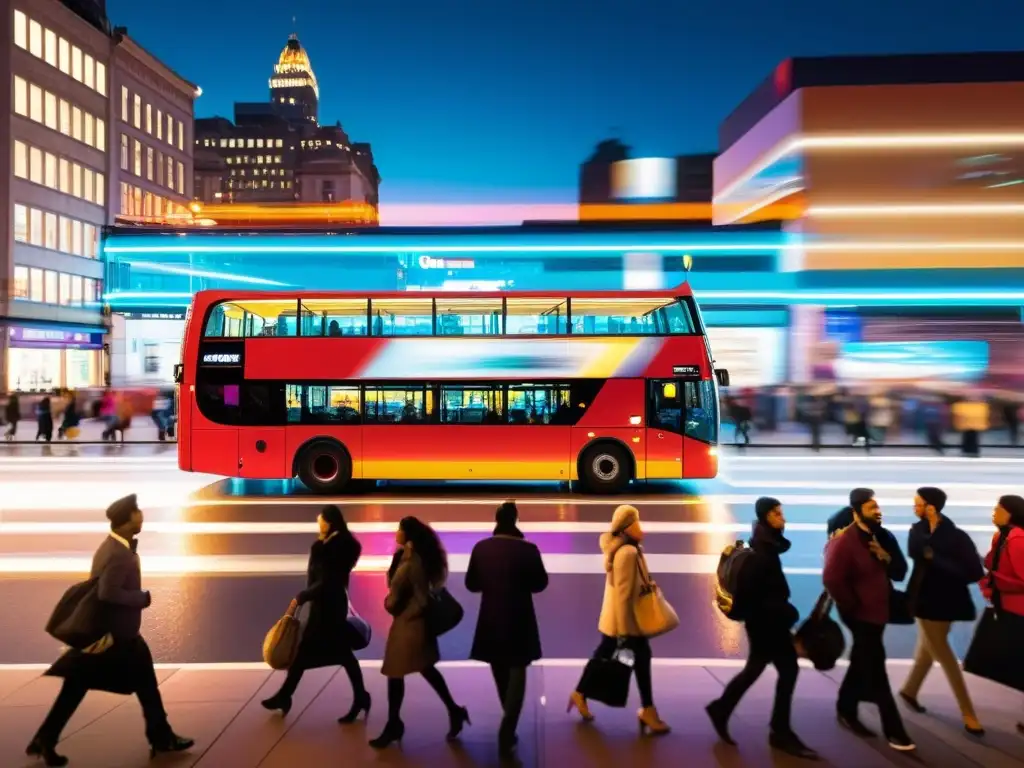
687	372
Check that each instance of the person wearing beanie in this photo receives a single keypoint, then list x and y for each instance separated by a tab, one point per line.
506	571
946	563
768	623
121	661
1003	583
861	563
623	559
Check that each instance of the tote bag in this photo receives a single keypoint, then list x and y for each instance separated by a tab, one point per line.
79	618
443	612
654	616
281	645
359	630
998	638
607	679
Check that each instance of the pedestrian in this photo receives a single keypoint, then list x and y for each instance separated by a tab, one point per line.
768	618
623	558
327	639
860	565
44	420
71	419
1003	584
946	562
12	412
411	647
121	661
507	571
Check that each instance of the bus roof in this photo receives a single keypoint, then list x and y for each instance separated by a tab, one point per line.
214	296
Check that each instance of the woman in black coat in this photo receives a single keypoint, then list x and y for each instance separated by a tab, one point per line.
328	638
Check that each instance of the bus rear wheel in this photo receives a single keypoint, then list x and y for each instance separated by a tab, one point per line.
605	468
324	467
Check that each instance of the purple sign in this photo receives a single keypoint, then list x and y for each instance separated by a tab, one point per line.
48	337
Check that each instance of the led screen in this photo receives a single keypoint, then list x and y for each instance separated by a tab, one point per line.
645	178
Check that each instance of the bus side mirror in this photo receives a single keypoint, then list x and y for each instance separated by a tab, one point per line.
722	375
179	373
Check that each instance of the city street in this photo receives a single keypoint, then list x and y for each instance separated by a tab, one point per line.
223	558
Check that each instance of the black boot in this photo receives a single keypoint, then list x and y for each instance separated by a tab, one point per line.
360	704
278	702
791	745
458	718
720	722
393	731
46	751
173	743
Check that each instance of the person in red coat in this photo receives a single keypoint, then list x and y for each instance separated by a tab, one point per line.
860	565
1003	584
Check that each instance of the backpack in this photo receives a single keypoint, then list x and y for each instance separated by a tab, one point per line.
727	586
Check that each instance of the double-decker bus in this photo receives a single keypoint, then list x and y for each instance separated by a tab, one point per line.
337	388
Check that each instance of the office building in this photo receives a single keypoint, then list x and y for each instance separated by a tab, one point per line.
611	175
277	151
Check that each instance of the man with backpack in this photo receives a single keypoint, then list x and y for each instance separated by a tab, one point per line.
759	596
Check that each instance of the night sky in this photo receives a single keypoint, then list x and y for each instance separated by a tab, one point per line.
491	101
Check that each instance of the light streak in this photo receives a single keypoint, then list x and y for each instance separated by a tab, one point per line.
923	209
190	272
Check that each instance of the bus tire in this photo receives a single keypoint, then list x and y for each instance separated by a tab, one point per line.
605	468
324	466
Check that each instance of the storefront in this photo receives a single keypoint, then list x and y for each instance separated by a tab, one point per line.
145	347
44	359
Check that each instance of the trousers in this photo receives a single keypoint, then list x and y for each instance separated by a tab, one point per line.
932	646
511	684
866	679
768	645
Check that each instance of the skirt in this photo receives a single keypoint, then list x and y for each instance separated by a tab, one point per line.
121	669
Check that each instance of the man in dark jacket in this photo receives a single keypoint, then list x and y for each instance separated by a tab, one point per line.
860	565
121	661
946	563
507	571
768	616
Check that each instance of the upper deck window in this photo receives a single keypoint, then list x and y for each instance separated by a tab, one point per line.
630	317
402	317
528	316
252	318
334	317
468	317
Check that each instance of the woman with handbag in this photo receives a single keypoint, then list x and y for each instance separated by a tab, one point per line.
328	637
624	582
412	644
995	650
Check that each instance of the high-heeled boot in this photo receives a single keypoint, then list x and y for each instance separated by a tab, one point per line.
649	722
458	718
579	702
45	751
393	731
360	704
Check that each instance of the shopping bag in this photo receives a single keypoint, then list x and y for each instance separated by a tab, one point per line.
359	631
443	612
72	432
281	645
654	616
607	679
995	651
79	618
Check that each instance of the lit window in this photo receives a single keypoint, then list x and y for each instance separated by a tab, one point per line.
35	39
35	103
20	223
124	104
50	231
20	96
181	178
250	143
101	135
149	163
149	119
169	178
21	156
89	70
259	143
231	143
76	63
76	290
76	238
124	152
170	129
137	157
76	180
90	127
50	286
89	235
65	117
35	226
65	234
20	29
88	185
65	289
20	282
101	78
35	285
137	111
50	47
50	171
35	165
76	123
89	287
280	142
181	136
50	110
64	56
64	172
101	192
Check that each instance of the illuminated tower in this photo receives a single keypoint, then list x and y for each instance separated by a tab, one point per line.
293	88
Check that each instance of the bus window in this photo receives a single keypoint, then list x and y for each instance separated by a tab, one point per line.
477	404
701	410
468	317
665	407
674	318
615	316
396	405
334	317
525	316
540	404
403	317
251	318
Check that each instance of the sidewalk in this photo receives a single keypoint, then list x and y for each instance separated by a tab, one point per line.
220	709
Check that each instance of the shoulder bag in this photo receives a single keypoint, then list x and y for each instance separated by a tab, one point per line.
654	616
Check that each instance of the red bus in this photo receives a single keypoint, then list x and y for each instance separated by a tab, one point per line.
333	388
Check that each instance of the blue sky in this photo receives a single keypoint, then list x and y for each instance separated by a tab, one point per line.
490	101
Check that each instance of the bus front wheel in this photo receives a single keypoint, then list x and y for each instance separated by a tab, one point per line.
324	467
605	468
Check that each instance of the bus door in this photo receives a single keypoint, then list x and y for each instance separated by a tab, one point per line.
665	424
